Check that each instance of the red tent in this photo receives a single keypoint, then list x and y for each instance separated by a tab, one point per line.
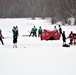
50	35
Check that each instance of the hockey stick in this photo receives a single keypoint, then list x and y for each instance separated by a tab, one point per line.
8	37
21	45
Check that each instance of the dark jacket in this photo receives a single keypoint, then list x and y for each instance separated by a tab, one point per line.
63	37
60	30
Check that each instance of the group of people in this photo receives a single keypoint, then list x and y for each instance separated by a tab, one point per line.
72	36
62	33
34	32
60	29
15	36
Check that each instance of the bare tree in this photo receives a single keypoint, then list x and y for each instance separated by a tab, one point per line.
71	5
58	9
32	4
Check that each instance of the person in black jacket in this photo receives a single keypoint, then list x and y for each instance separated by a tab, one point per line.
64	38
15	36
60	30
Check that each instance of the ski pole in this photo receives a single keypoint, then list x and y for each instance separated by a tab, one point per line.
21	45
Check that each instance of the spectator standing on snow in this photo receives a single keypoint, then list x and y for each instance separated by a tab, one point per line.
64	38
60	30
1	37
71	36
15	37
55	28
34	31
39	31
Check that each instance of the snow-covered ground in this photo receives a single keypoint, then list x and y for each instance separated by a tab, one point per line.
39	57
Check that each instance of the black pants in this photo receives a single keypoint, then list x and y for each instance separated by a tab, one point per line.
15	39
39	34
34	34
1	41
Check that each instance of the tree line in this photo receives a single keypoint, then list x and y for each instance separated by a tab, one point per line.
56	9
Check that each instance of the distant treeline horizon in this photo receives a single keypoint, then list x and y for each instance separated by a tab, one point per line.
59	9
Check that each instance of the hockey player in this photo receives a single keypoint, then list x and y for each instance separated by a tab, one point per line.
71	37
39	31
31	32
1	37
64	40
15	37
60	30
34	30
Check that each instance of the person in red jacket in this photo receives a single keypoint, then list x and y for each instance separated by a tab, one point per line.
71	37
1	38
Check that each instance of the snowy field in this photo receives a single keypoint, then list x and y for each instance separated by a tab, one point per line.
39	57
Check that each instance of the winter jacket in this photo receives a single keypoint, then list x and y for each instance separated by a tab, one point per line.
34	29
40	30
60	30
15	32
71	36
